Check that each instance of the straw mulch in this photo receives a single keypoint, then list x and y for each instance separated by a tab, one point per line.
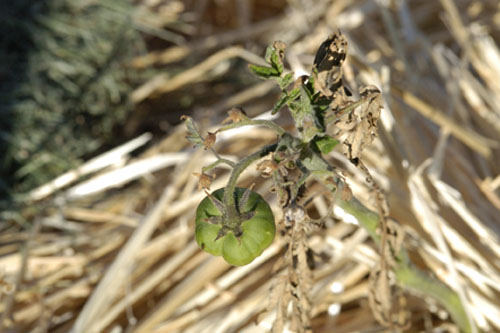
111	248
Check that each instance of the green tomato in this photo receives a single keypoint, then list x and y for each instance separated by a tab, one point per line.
257	233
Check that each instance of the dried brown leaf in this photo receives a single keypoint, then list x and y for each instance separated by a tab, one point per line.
359	128
267	167
327	68
346	194
209	140
235	115
204	180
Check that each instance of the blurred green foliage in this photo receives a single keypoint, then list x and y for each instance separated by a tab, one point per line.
64	84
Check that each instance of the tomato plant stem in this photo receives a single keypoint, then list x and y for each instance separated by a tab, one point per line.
407	275
229	197
259	122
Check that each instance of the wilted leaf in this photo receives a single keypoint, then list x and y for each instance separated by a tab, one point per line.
235	115
205	180
278	55
274	56
359	128
209	140
267	167
327	68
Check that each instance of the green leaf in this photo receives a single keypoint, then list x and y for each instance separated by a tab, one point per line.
324	144
274	56
286	98
276	62
269	52
193	136
319	114
263	71
285	81
305	101
294	105
294	94
280	103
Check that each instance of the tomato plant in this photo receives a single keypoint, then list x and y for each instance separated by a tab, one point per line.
240	239
238	224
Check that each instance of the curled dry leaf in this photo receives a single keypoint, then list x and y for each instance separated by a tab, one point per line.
280	47
388	309
380	296
267	167
346	194
209	140
235	115
327	68
299	267
359	128
205	180
275	55
395	238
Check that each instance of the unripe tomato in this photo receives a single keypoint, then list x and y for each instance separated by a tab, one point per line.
257	233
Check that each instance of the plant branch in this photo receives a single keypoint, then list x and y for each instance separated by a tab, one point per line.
229	200
407	275
259	122
217	162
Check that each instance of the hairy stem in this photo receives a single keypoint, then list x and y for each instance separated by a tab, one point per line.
217	162
407	275
259	122
229	198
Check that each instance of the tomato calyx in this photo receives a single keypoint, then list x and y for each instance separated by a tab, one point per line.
233	227
231	220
